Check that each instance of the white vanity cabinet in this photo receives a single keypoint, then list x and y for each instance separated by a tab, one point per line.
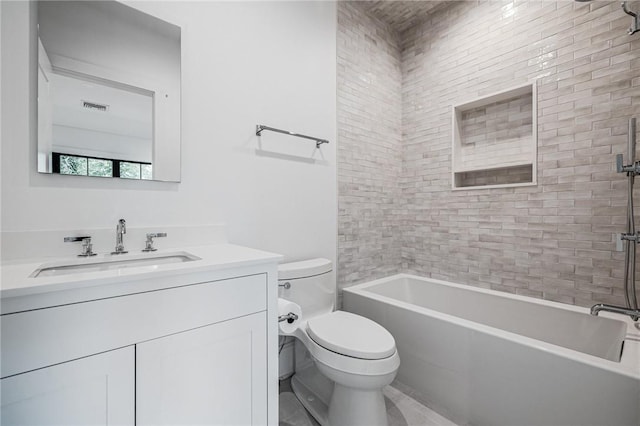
96	390
221	367
200	351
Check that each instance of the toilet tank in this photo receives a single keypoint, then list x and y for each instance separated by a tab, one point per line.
312	286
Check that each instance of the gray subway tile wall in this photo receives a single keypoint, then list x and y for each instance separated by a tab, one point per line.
369	146
398	213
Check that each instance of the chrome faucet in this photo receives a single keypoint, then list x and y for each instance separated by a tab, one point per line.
149	242
87	247
633	313
121	229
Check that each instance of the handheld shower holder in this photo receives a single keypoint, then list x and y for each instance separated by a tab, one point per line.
635	26
633	168
630	168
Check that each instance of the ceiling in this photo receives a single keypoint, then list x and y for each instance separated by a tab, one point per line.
400	15
128	113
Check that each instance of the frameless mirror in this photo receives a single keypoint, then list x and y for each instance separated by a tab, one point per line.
108	91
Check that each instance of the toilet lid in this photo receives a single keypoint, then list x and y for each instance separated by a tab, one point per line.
351	335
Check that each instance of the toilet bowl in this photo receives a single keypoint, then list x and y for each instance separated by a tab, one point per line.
353	357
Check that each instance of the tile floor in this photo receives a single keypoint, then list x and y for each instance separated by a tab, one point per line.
402	409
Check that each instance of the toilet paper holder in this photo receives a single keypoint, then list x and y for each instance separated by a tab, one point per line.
290	317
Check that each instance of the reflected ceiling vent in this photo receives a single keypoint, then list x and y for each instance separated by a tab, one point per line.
95	106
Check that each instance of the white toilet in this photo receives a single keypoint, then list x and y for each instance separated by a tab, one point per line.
353	357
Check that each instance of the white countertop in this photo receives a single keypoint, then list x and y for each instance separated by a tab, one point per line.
16	281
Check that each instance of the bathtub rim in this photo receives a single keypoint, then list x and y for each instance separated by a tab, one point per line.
628	365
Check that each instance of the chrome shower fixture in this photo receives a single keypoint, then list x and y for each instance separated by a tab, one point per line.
631	238
634	25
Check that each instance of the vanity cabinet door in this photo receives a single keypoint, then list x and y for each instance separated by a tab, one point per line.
212	375
96	390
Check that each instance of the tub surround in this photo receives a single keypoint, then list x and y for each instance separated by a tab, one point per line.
485	357
554	241
370	204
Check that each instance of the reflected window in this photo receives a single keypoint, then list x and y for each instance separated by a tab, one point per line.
130	170
99	167
79	165
71	165
146	172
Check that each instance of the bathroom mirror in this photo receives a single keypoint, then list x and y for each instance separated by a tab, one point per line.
108	91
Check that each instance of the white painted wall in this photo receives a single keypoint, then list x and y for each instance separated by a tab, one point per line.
244	63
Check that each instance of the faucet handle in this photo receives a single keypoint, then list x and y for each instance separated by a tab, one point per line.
156	234
87	247
76	239
149	242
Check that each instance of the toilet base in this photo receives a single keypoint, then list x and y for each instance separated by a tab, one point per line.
313	390
357	407
334	405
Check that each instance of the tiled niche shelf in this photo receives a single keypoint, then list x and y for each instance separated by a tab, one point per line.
495	140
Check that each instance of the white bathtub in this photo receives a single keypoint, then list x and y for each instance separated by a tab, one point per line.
484	357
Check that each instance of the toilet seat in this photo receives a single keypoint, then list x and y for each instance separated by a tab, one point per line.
348	364
351	335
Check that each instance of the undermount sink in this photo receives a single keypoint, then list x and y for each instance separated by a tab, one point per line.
110	263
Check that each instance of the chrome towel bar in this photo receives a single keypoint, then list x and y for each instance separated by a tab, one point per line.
260	128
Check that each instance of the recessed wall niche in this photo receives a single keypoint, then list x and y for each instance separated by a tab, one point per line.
495	140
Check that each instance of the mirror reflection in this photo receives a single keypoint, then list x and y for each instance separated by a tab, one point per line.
108	91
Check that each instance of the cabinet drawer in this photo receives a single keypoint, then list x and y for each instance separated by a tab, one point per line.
39	338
